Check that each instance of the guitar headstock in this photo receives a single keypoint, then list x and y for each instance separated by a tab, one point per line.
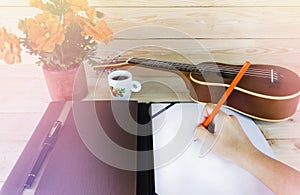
111	63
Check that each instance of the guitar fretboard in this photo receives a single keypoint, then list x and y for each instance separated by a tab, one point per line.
166	65
225	69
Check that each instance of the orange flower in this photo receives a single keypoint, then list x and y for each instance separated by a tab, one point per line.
81	6
63	34
45	31
97	29
90	12
77	5
9	47
37	3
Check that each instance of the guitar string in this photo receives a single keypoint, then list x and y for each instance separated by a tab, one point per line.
177	66
255	72
204	67
250	72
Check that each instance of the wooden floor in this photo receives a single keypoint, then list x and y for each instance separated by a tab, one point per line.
24	98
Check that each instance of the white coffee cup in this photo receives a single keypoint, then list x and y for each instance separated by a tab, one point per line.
121	85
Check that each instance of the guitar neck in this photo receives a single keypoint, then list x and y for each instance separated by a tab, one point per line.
226	70
165	65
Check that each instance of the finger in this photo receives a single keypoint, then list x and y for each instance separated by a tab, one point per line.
207	140
218	117
208	108
200	133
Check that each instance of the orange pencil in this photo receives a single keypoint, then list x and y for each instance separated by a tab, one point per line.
226	94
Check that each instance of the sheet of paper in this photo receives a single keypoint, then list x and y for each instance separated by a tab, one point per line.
181	167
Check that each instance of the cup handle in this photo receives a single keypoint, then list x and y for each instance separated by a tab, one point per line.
136	86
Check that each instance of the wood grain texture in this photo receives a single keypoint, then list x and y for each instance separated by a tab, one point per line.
284	139
231	31
15	132
287	151
167	3
200	22
211	22
284	130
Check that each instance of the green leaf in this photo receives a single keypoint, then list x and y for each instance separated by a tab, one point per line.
22	26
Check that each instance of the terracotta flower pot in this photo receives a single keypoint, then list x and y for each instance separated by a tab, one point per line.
66	85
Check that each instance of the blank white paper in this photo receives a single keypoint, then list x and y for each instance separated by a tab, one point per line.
179	169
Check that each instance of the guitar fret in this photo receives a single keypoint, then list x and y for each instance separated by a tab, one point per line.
167	65
201	68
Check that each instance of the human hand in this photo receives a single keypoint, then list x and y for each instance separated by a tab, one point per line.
228	140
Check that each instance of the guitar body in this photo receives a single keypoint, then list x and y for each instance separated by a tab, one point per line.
257	97
265	92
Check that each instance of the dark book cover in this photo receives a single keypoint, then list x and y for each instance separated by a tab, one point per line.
73	167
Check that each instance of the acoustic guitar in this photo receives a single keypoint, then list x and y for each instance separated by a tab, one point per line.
266	92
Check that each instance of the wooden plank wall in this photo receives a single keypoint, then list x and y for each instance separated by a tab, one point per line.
229	31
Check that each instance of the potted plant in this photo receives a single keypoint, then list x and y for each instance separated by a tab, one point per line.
63	35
